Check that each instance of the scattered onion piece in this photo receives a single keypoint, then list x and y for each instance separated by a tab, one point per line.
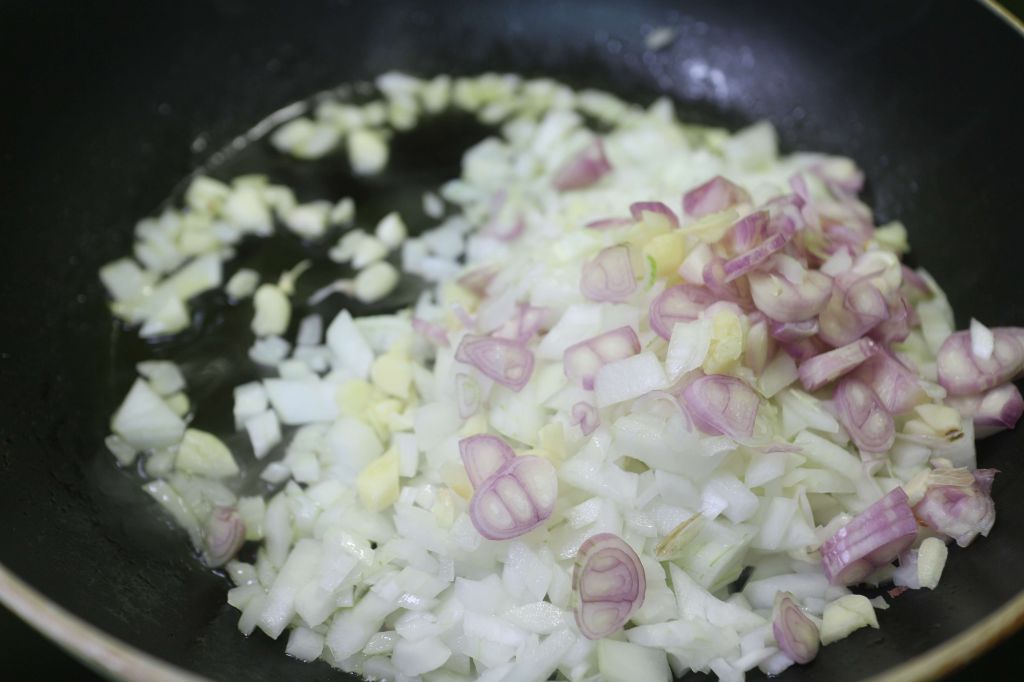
871	540
609	583
717	194
584	169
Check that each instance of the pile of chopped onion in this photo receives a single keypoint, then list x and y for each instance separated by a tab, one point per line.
667	399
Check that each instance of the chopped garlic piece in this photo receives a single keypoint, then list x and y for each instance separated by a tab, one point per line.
164	376
391	230
931	560
264	432
377	484
242	284
368	250
203	454
845	615
170	318
343	212
376	282
273	311
206	195
392	372
308	220
367	152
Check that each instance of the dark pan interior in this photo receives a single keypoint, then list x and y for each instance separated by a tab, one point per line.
107	105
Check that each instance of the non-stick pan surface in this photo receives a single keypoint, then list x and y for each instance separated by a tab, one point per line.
107	105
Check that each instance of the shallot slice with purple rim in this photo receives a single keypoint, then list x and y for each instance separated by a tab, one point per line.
521	327
722	404
717	194
609	583
584	169
960	511
585	416
507	362
478	279
795	633
856	307
516	499
582	360
787	332
827	367
745	262
897	386
863	415
483	456
871	540
433	332
791	293
748	232
224	535
962	372
681	303
992	411
609	276
467	395
654	212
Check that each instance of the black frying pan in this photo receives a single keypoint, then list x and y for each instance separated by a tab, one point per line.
108	105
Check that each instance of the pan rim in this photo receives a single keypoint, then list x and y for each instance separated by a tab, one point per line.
118	660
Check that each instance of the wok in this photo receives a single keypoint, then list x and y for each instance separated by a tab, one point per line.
107	105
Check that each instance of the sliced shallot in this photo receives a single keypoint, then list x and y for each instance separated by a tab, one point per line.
585	416
484	455
827	367
507	362
863	415
516	499
523	325
609	583
992	411
609	276
871	540
681	303
717	194
584	169
961	372
722	404
225	534
960	511
582	360
894	383
478	279
795	296
745	262
654	212
795	633
433	332
467	395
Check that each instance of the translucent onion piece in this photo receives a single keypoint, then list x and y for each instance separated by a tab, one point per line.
723	405
224	535
863	415
583	169
992	411
794	331
827	367
960	511
507	362
483	456
681	303
516	499
608	223
717	194
582	360
902	317
478	279
795	633
855	308
585	416
609	276
871	540
785	300
760	347
467	395
432	332
526	322
961	372
657	209
609	583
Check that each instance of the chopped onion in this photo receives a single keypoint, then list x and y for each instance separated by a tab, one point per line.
722	404
526	322
871	540
792	297
717	194
609	276
583	360
610	585
654	211
748	231
467	395
744	263
478	280
507	362
516	499
435	333
863	415
484	456
896	386
584	169
827	367
787	332
795	633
